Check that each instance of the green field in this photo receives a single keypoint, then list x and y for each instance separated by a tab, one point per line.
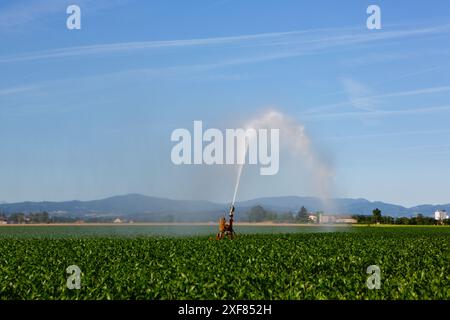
301	263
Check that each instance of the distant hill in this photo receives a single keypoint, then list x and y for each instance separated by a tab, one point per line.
148	208
125	205
341	206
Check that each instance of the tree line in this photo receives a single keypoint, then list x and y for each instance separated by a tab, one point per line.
254	214
378	218
19	217
259	214
34	217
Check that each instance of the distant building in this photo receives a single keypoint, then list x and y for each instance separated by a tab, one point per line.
118	221
440	215
312	218
3	221
323	219
346	220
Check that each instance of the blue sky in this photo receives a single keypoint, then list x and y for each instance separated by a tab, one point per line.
88	113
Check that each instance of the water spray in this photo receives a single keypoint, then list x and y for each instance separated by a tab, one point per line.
238	179
298	143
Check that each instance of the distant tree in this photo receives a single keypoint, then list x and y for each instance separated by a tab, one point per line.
303	215
259	214
286	217
39	217
170	218
17	217
420	219
402	221
256	214
387	220
362	219
376	215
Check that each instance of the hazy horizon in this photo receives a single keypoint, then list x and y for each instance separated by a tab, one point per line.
220	202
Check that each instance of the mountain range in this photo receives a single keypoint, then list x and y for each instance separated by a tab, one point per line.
143	207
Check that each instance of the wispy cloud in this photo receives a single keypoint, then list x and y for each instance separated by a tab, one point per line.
360	96
387	134
24	12
385	57
378	113
360	101
287	44
427	147
427	150
16	90
416	92
145	45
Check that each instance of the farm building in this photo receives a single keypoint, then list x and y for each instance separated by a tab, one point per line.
440	215
346	219
336	219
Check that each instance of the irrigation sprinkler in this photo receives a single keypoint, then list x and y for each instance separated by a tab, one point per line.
226	227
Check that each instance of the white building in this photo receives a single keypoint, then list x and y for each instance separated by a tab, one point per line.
440	215
336	219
